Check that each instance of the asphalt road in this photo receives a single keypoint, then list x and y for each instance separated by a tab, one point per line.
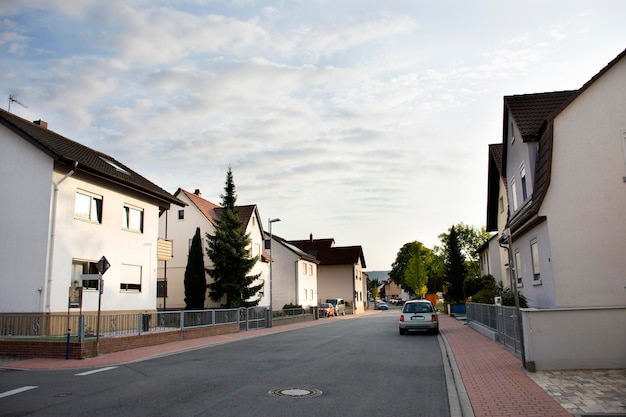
345	367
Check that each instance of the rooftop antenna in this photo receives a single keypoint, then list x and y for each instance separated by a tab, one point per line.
12	99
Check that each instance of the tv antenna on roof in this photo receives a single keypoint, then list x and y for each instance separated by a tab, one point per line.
12	99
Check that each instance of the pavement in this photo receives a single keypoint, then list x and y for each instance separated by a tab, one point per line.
484	378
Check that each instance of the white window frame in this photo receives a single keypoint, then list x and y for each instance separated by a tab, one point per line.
86	273
130	219
92	213
130	279
534	254
522	174
518	265
514	194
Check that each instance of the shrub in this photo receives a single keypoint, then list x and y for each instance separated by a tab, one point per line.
508	299
291	305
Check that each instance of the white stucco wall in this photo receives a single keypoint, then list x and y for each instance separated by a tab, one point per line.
83	240
26	184
589	338
587	196
180	232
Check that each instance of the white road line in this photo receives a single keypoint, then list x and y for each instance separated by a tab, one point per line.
17	391
96	371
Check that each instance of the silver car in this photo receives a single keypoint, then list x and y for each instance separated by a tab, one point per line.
418	315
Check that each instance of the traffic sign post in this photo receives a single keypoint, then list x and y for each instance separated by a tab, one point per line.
102	266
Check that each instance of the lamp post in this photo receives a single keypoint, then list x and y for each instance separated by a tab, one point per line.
270	221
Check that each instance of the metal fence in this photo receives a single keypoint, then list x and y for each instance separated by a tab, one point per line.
501	319
117	325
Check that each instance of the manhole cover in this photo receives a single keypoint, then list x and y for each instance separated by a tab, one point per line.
296	392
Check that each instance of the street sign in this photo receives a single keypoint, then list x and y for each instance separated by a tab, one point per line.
76	297
102	265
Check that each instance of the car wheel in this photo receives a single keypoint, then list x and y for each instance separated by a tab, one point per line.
402	332
435	332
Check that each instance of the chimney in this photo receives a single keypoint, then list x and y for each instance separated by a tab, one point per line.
197	192
311	237
41	123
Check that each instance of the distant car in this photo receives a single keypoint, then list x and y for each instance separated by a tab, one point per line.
326	310
339	304
418	315
383	306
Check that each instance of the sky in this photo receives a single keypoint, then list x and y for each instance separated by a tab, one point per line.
365	121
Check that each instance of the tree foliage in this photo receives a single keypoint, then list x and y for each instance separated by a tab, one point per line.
455	268
228	249
470	240
416	268
195	278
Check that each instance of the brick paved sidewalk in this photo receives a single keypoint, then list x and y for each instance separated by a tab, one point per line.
493	377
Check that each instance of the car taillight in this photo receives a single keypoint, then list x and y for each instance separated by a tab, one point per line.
402	317
433	317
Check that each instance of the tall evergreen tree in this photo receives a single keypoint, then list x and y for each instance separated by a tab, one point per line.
195	278
455	267
228	249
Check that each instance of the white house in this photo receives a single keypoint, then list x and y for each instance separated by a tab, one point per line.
294	275
564	161
65	207
179	226
340	271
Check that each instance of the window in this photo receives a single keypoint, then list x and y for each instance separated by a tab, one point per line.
133	219
512	134
85	274
257	250
514	193
131	278
534	252
88	207
522	173
181	214
518	267
501	204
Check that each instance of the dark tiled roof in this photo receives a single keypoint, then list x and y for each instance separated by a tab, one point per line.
528	215
530	111
67	151
328	254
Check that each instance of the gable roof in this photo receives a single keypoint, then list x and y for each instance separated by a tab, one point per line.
293	248
544	133
66	151
212	212
328	254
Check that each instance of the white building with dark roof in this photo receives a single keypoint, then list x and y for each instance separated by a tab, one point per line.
65	207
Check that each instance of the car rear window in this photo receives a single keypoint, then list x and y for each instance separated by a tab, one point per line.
418	308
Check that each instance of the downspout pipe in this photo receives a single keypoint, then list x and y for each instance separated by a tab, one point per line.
53	212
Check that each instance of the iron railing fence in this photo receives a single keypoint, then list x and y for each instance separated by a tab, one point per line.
113	325
501	319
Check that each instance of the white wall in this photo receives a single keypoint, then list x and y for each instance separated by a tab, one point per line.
79	239
575	338
26	185
587	196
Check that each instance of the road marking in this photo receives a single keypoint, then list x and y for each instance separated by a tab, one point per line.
17	391
96	371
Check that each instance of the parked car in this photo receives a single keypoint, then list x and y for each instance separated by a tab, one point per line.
418	315
383	306
339	304
326	310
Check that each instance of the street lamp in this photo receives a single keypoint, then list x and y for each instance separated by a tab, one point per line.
270	221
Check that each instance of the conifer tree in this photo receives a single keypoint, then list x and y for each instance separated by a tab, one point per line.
228	249
195	278
455	267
